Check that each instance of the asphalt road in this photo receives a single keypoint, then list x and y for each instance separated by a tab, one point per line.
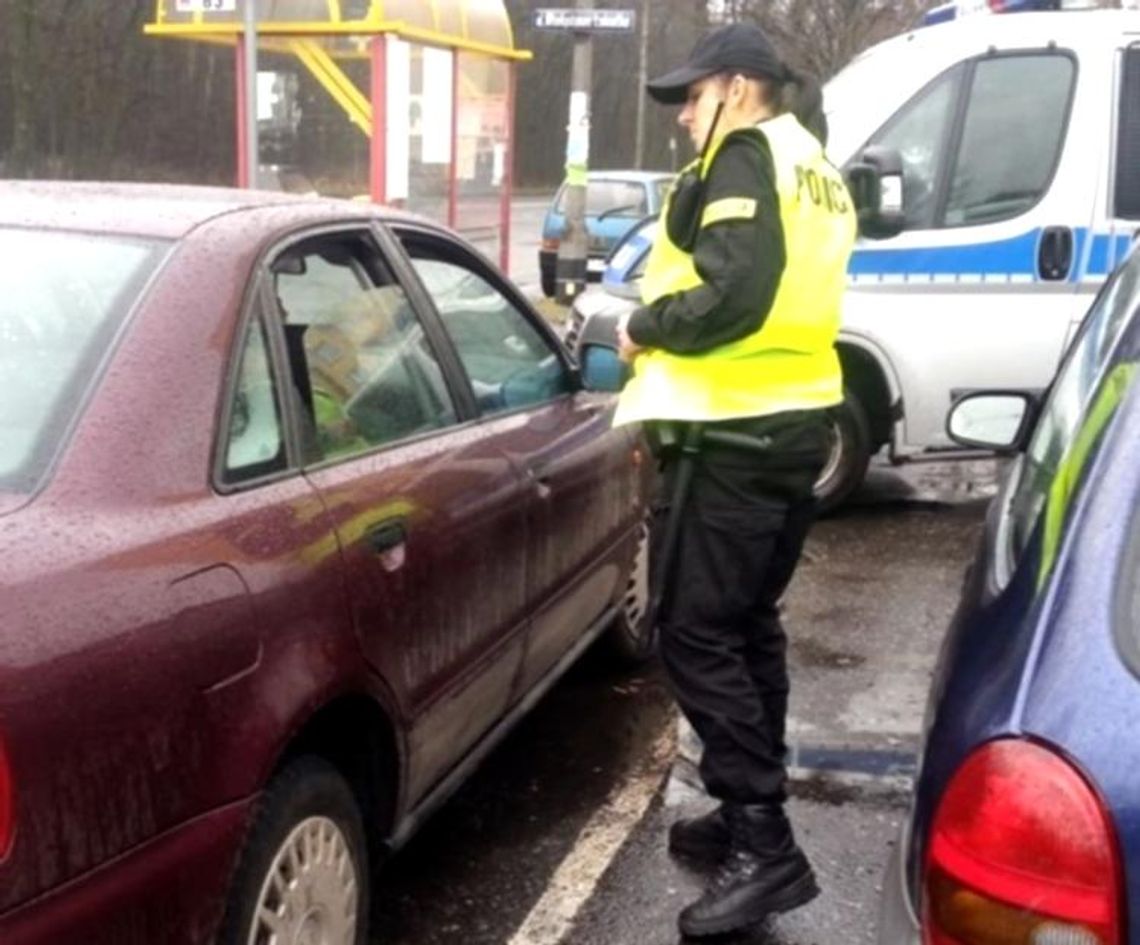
560	837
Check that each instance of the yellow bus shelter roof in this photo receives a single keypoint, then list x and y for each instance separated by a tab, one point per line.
480	26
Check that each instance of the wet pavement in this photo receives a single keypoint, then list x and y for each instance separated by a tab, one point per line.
560	837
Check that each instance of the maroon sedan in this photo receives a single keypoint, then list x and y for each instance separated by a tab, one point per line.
301	507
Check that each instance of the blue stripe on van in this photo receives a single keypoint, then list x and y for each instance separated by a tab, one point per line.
1013	259
1107	253
1016	256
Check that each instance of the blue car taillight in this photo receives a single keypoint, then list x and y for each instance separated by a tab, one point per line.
1021	852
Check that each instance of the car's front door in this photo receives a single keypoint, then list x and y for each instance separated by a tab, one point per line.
428	512
583	504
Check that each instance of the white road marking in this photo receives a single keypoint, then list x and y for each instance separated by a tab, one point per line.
578	874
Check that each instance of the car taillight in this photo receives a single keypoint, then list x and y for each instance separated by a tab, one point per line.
550	245
7	806
1021	852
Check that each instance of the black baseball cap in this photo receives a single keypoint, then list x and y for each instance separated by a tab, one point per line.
737	47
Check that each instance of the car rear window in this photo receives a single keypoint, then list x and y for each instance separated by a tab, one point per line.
62	298
612	197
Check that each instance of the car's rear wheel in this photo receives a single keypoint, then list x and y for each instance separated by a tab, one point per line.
850	453
303	876
632	638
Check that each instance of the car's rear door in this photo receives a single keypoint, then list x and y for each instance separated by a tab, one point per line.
584	491
427	510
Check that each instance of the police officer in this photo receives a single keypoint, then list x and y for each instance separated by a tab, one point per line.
737	335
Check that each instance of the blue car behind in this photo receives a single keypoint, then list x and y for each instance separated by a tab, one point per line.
615	202
1025	825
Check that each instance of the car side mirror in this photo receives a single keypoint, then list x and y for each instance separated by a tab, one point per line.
602	370
876	185
993	420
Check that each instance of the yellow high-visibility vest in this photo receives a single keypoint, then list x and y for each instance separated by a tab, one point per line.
790	363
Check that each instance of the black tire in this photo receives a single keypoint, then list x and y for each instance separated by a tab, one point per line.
851	452
630	640
308	802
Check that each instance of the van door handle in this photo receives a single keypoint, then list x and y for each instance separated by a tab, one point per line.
1055	253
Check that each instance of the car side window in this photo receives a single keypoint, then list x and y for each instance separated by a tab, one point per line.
363	370
1012	136
255	443
919	132
508	361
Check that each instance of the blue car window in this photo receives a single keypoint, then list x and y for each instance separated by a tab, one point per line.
1074	413
616	197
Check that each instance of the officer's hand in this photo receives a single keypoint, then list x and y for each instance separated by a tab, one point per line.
628	349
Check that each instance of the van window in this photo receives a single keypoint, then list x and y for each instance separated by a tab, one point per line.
1127	199
1011	139
919	132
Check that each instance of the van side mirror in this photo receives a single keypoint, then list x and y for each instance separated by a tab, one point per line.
876	185
993	420
597	352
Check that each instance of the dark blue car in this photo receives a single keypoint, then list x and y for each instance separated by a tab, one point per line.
1025	825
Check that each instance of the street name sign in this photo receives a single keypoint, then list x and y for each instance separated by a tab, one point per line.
585	21
205	6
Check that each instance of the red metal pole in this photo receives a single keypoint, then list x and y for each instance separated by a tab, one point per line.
242	99
379	144
453	170
508	176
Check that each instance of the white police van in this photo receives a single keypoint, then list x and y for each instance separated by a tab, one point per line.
1019	141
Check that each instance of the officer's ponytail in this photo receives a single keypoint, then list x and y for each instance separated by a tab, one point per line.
802	96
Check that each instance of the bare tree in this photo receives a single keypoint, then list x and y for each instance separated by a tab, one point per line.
819	37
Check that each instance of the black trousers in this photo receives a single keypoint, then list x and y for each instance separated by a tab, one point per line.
722	642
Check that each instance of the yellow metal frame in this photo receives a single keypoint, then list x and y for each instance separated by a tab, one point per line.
324	69
374	24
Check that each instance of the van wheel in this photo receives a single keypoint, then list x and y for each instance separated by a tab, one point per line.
303	875
850	453
632	639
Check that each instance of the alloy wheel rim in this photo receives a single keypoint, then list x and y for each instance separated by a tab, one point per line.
834	458
310	892
636	600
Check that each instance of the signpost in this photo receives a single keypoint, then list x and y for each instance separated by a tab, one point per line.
205	6
585	21
582	22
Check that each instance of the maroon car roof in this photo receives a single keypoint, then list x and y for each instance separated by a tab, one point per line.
156	210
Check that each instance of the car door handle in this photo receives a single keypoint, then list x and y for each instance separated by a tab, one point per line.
540	483
386	536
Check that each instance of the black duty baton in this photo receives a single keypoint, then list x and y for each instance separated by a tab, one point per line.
667	547
693	438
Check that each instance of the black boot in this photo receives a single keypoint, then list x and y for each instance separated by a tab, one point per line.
764	873
702	839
